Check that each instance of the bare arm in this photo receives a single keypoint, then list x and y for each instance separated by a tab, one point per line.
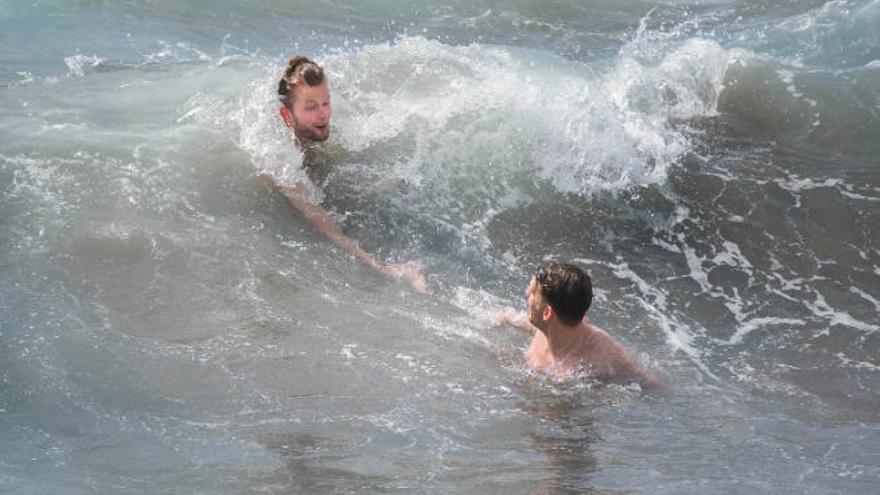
321	220
653	383
623	364
510	317
646	378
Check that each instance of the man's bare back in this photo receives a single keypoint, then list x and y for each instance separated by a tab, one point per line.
593	350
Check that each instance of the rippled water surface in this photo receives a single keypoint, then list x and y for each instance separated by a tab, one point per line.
170	324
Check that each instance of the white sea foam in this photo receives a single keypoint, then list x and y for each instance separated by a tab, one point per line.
679	335
252	122
849	193
799	184
868	297
699	266
686	82
429	114
78	64
749	326
65	127
460	106
833	317
852	363
746	373
176	51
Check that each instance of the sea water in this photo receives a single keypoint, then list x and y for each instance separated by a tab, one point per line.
170	324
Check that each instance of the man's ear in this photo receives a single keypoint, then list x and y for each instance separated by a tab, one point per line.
285	114
547	313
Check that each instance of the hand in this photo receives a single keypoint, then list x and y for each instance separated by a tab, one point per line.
409	270
510	317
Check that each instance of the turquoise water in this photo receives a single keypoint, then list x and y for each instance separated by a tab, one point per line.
170	324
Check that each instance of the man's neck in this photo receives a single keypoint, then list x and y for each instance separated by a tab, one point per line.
562	338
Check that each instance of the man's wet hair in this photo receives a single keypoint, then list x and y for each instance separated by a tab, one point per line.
566	288
299	70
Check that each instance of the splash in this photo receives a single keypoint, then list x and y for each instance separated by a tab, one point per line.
466	110
481	125
251	121
78	64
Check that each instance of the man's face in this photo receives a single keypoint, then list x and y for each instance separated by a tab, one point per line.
536	304
311	113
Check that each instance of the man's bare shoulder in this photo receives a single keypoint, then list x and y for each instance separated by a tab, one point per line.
601	339
604	348
622	361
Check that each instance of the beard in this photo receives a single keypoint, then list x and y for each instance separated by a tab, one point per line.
311	135
534	316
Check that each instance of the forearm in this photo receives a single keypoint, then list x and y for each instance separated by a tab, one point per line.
321	220
324	223
349	245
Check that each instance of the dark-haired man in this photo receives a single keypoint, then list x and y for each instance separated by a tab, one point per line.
306	110
558	296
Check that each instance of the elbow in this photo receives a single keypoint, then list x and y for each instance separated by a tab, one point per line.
653	384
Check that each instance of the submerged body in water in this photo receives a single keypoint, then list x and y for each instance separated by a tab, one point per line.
564	342
306	111
712	164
